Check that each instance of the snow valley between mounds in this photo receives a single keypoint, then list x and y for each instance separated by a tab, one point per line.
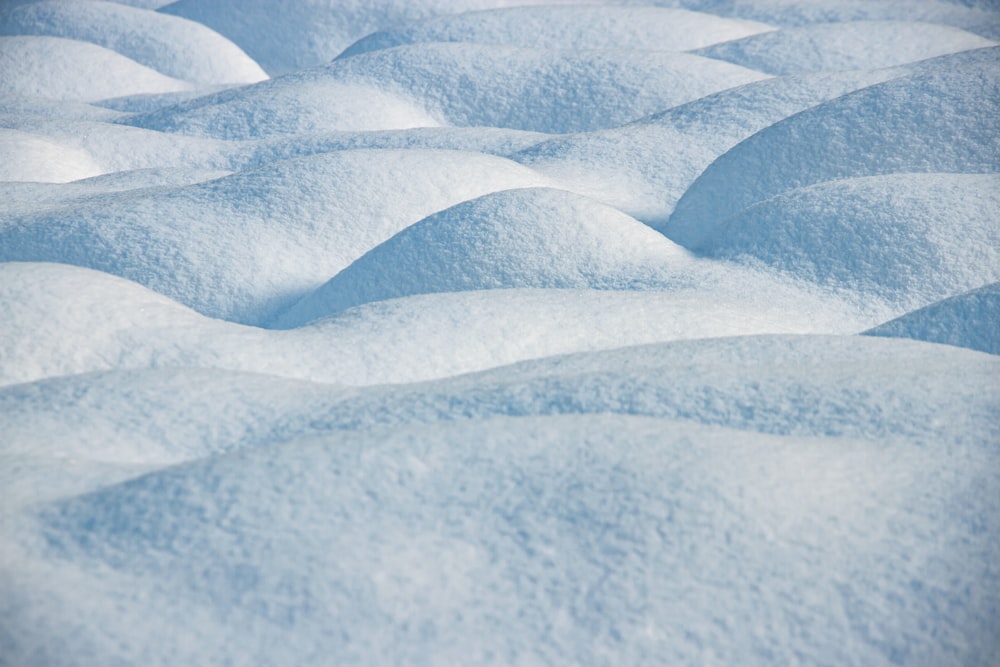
437	332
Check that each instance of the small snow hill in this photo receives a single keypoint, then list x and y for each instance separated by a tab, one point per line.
515	238
847	45
969	320
908	239
55	68
168	44
575	27
943	120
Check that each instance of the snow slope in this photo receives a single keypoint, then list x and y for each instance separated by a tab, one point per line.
941	121
645	332
245	246
174	46
910	239
458	84
576	27
67	69
306	34
846	45
53	326
966	320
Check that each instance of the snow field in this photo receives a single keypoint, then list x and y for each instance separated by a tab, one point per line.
435	332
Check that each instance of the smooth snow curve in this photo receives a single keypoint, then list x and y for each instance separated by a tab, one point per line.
35	158
576	27
848	45
174	46
939	121
66	69
306	34
459	84
246	246
515	238
909	239
966	320
61	319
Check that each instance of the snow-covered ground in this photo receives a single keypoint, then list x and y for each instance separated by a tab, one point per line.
493	332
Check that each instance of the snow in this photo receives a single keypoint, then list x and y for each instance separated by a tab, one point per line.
171	45
847	45
940	121
35	158
458	84
67	69
306	34
300	222
641	332
577	27
53	326
966	320
894	236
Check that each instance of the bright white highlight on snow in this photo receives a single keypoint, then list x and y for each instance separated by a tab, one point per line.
453	332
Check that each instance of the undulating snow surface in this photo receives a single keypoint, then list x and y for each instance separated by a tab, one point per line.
453	332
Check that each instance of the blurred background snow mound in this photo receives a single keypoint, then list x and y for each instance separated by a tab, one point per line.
488	332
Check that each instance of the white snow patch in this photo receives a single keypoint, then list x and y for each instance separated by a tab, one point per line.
66	69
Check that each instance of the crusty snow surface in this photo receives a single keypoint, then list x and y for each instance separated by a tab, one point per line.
426	332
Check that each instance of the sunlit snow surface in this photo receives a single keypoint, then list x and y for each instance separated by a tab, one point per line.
432	332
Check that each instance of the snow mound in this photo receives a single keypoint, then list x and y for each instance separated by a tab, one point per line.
28	157
910	239
490	140
978	16
245	246
60	319
293	104
969	320
644	167
848	45
66	69
459	84
305	34
515	238
114	147
937	121
168	44
456	543
781	385
576	27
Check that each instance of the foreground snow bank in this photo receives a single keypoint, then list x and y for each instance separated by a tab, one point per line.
518	540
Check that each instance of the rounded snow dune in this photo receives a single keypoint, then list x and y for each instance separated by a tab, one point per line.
66	69
937	121
966	320
643	168
301	103
515	238
113	147
529	538
981	19
575	27
168	44
782	385
28	157
848	45
248	245
61	319
909	239
460	84
306	34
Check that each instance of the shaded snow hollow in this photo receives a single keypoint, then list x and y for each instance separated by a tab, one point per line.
449	332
